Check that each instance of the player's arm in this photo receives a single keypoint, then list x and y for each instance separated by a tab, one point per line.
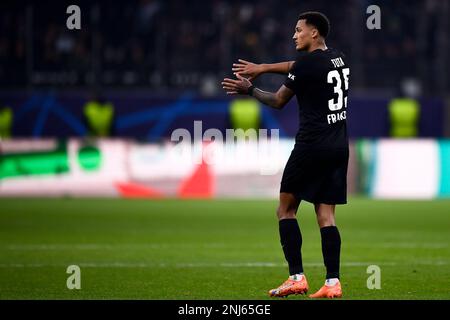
252	70
242	85
277	99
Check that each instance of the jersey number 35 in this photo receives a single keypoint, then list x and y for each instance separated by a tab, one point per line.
334	77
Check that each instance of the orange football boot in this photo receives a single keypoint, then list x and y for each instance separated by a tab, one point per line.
328	292
290	287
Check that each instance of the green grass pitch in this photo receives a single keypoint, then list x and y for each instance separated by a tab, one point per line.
215	249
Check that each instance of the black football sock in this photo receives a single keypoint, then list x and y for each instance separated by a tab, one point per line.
331	250
291	241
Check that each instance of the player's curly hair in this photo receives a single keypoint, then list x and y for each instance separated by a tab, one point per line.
318	20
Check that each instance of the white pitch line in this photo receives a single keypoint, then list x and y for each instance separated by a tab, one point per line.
210	265
98	246
93	246
412	245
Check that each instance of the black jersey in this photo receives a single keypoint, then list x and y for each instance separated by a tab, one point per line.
320	79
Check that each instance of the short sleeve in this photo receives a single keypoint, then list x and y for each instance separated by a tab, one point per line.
297	74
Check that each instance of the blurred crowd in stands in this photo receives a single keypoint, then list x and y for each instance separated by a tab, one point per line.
177	45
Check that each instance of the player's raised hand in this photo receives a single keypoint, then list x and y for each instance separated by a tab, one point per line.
236	86
247	69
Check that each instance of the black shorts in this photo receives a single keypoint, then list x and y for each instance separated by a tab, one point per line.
317	176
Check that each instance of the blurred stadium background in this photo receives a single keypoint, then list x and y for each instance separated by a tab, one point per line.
90	113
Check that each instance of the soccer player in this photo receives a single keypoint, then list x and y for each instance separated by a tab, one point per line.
317	167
